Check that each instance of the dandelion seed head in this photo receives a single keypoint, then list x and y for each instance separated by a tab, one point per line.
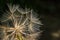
24	22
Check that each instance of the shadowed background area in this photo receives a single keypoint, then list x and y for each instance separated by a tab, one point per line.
48	11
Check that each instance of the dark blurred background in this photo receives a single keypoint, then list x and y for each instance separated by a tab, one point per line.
48	11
